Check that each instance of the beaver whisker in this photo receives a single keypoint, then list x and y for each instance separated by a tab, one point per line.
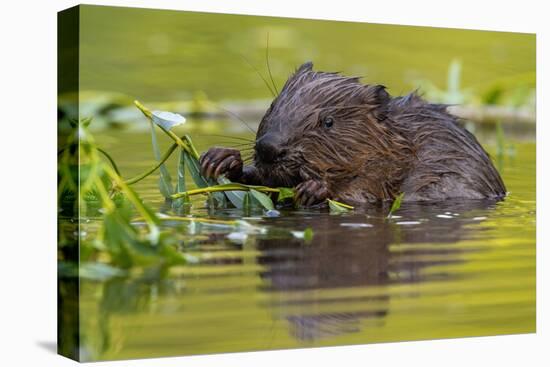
238	118
267	63
242	145
260	75
251	141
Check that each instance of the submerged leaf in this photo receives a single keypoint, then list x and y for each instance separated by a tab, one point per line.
167	120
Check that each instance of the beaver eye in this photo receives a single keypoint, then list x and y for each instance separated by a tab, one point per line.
328	121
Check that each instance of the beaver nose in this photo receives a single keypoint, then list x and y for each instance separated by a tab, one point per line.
269	148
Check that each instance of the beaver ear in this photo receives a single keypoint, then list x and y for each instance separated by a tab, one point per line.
377	97
306	66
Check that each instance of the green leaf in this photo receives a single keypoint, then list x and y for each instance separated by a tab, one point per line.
180	184
337	207
236	197
165	181
246	201
145	174
308	234
285	193
263	199
396	204
86	121
195	170
110	159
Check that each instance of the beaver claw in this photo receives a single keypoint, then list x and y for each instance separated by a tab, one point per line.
218	161
311	193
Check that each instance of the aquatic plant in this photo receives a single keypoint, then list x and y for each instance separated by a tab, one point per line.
453	93
89	186
222	190
396	204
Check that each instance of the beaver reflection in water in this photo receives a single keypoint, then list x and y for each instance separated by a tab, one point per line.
330	136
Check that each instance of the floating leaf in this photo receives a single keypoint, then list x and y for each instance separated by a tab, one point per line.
337	207
396	204
167	120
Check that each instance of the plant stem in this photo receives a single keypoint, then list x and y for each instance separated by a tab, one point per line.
227	187
201	220
143	109
174	137
193	152
105	198
140	177
110	159
149	216
342	204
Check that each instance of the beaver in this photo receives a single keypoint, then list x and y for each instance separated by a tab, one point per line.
330	136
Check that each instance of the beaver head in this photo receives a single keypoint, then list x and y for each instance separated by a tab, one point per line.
327	126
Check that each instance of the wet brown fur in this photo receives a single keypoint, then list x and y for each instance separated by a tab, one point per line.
377	147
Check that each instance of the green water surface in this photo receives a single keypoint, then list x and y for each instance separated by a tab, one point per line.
442	270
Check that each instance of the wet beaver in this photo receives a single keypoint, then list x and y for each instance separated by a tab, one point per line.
330	136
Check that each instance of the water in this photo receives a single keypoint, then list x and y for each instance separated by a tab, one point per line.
432	271
157	55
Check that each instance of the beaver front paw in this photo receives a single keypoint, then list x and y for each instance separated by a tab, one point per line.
311	193
222	161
